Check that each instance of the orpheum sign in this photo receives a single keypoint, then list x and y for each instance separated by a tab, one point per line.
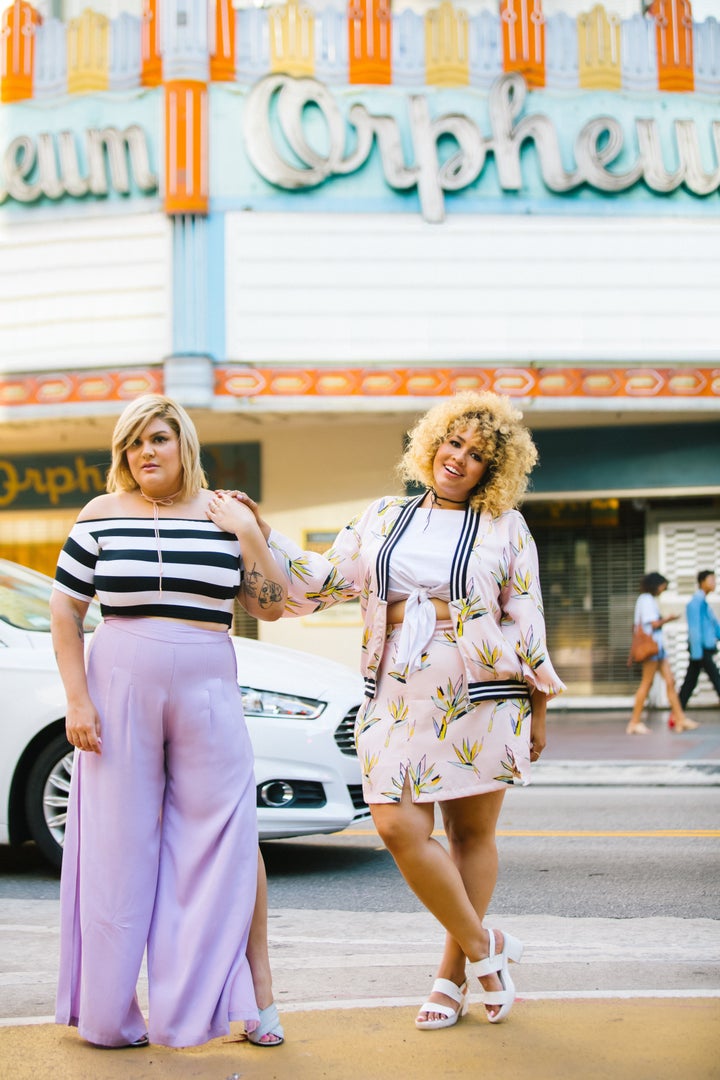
53	166
282	137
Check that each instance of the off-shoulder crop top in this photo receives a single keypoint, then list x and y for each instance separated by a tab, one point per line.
197	577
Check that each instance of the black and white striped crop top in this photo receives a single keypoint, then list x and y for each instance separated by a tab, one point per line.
188	570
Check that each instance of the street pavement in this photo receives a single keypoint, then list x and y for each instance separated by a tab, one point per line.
348	1005
592	748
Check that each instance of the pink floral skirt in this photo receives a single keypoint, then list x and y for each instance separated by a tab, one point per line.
421	729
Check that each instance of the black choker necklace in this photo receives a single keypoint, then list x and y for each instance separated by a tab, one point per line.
441	498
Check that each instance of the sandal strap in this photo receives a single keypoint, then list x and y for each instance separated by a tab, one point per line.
434	1007
450	989
492	963
496	997
269	1023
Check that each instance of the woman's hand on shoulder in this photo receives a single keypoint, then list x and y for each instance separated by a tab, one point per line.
233	510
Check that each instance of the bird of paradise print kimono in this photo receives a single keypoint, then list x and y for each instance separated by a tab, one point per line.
460	725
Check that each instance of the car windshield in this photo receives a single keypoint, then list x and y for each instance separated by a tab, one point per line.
25	599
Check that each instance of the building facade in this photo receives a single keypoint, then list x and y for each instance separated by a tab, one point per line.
309	222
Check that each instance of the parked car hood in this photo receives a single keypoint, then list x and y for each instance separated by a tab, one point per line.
275	667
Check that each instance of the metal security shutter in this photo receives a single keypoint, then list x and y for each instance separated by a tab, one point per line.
590	574
685	548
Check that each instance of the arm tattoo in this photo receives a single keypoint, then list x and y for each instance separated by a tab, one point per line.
252	582
271	593
259	588
79	626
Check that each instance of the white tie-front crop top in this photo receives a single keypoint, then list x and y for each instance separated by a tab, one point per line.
420	568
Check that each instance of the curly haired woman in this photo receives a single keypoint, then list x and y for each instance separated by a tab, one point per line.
456	669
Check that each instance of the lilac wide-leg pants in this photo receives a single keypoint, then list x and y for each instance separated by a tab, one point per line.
161	842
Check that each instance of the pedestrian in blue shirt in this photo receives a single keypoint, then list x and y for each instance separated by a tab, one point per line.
703	636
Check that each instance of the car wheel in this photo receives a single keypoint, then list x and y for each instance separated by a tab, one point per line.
46	797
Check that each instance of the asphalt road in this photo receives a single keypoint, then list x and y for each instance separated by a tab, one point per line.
602	869
618	853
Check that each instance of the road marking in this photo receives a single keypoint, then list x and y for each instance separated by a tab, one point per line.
712	834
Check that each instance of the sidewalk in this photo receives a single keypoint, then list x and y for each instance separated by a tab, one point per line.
591	748
642	1039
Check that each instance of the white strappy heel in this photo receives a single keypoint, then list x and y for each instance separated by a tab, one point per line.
451	1016
497	963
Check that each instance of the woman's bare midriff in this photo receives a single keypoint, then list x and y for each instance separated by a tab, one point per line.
396	611
193	622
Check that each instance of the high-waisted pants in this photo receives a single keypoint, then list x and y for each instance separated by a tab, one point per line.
161	842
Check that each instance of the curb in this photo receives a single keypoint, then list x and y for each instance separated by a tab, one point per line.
623	773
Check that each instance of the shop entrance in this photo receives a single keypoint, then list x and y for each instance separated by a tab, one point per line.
592	556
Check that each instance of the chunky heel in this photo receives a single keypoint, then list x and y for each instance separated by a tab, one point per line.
514	948
497	964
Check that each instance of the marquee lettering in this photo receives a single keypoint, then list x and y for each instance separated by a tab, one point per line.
597	146
50	165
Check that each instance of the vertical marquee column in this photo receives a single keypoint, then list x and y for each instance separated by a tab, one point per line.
186	147
186	36
190	35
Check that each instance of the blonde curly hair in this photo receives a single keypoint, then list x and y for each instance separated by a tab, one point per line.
505	443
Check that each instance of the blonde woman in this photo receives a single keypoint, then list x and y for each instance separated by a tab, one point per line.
161	839
456	669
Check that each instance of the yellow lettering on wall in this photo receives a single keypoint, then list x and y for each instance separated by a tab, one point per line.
54	481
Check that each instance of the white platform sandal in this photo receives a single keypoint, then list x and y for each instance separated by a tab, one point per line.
451	1016
497	964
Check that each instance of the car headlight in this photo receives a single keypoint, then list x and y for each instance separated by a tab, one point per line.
267	703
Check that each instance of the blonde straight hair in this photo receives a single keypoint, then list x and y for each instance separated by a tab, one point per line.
133	420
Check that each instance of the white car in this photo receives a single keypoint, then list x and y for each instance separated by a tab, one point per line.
300	711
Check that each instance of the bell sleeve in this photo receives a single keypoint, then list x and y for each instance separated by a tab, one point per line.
523	619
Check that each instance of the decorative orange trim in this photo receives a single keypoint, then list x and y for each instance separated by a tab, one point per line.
581	383
79	387
17	58
237	381
186	147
